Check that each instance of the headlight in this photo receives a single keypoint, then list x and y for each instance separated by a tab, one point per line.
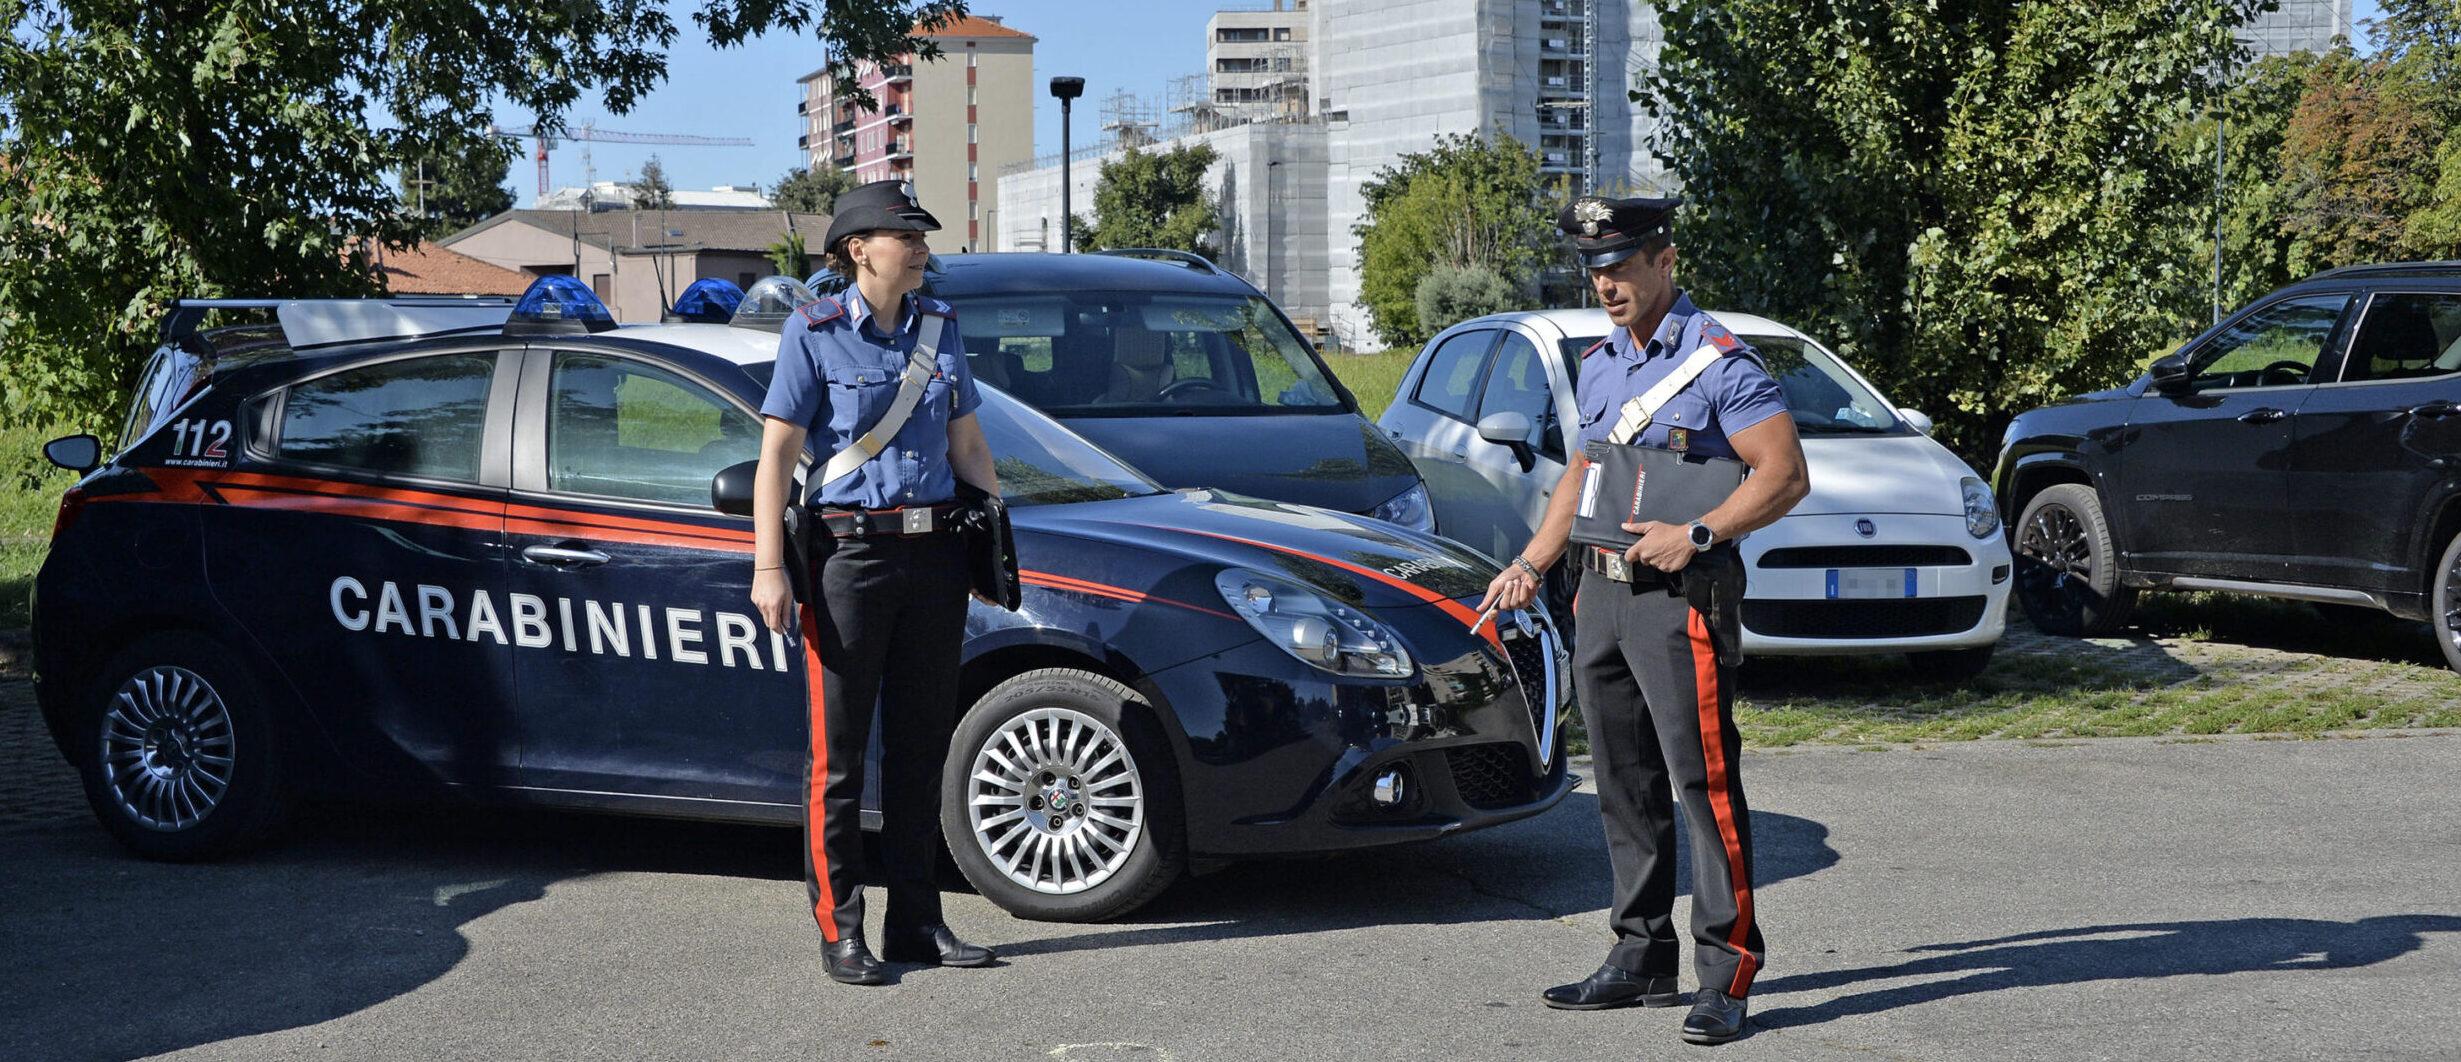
1982	511
1326	634
1410	509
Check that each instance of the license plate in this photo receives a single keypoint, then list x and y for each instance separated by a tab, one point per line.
1858	583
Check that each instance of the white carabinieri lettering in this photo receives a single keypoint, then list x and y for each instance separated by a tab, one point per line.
577	626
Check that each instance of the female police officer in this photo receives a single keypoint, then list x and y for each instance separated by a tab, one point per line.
876	380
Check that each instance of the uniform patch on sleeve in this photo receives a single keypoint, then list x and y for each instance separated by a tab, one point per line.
821	312
1717	336
935	308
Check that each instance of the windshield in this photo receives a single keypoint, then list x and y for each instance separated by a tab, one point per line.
1142	354
1040	462
1824	398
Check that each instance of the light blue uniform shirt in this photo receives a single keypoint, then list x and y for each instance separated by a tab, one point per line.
837	373
1734	393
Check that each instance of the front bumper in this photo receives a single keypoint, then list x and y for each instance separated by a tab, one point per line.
1957	603
1282	759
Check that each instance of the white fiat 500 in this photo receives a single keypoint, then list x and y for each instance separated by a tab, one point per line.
1897	549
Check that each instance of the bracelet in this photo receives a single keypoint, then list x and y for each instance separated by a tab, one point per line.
771	568
1524	564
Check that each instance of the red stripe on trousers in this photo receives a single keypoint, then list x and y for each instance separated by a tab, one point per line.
815	813
1713	753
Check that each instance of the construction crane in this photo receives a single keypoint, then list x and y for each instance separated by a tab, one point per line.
588	133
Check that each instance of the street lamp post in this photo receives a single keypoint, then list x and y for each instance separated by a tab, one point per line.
1066	90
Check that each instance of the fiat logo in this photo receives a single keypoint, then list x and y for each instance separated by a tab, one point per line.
1865	528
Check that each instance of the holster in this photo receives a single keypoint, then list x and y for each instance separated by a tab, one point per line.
799	521
991	547
1713	583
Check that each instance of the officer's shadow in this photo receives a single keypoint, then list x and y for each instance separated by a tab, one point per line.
2128	952
1544	868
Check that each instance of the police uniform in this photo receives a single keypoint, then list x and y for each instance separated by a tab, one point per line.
883	616
1658	700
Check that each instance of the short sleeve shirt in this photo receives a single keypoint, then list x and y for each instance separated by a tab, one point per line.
839	370
1735	392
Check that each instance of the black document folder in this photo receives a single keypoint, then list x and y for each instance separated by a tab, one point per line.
1640	483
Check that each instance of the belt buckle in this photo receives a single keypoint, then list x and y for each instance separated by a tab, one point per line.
918	520
1617	568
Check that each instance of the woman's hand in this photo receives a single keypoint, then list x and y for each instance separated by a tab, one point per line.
774	599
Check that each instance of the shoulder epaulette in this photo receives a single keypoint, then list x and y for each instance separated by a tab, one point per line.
1593	348
1716	335
820	312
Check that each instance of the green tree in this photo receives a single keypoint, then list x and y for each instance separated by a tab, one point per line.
153	151
1982	201
811	191
451	193
1152	199
1469	203
650	191
788	257
1450	294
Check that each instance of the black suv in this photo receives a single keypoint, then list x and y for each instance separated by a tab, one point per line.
2308	447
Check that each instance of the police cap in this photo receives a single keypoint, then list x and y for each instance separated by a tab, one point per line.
878	205
1606	231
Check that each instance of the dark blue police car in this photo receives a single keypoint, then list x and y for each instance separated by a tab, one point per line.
396	546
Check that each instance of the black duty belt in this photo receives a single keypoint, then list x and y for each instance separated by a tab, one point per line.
906	522
1612	565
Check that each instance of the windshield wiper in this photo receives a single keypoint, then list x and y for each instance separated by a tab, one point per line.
1848	429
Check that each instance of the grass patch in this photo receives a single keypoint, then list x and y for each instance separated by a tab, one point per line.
30	489
1372	377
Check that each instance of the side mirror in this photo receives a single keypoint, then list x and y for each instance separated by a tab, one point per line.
77	453
730	491
1512	431
2170	374
1916	418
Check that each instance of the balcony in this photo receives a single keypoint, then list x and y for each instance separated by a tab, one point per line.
900	148
897	114
891	75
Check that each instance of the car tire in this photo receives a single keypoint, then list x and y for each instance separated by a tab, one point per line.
1951	665
1117	838
178	750
2445	604
2067	566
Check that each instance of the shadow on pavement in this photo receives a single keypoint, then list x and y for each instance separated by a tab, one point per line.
2148	950
114	957
1541	869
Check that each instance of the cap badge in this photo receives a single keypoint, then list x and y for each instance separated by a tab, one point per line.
906	189
1589	212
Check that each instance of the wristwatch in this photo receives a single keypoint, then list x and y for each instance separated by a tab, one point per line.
1702	537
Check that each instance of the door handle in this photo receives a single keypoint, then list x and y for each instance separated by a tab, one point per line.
2261	416
2436	410
559	557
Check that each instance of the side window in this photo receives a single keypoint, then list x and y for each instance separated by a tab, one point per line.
413	417
2274	347
1452	371
624	429
2406	336
1518	384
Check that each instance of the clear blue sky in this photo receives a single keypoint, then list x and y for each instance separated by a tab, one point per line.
751	92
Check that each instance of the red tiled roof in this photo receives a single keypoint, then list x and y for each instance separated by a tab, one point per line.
972	26
432	270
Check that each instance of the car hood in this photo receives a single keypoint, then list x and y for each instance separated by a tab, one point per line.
1366	562
1330	461
1881	474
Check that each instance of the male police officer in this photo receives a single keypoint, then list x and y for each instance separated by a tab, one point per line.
876	379
1657	696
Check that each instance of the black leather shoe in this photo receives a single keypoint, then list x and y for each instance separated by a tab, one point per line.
1716	1018
849	962
936	946
1613	986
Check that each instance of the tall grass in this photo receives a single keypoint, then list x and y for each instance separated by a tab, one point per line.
30	489
1372	377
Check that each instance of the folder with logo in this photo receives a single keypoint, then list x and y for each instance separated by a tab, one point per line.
1632	484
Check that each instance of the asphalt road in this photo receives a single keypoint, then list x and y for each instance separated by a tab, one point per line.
2240	899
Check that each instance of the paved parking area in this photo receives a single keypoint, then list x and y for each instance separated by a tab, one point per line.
2124	898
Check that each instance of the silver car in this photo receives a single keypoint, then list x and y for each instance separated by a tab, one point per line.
1896	550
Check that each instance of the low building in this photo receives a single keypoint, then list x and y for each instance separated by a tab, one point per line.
615	195
637	260
430	269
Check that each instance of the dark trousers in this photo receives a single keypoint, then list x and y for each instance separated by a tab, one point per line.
884	627
1660	709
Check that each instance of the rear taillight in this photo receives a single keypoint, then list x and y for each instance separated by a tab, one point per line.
71	504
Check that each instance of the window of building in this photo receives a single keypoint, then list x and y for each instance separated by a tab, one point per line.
1241	35
1281	33
969	132
414	417
972	210
969	95
971	171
